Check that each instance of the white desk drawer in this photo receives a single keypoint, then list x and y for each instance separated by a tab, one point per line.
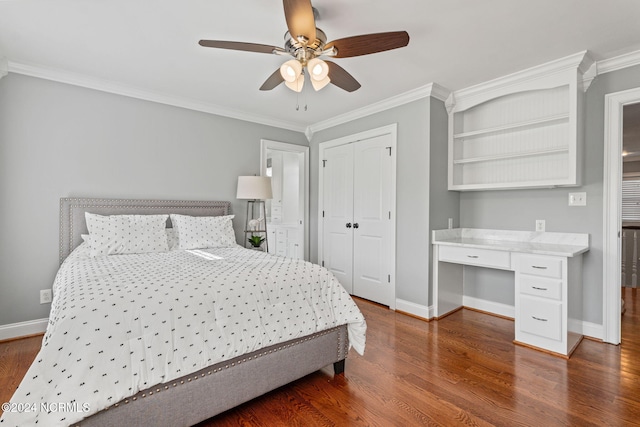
540	266
539	317
472	256
541	286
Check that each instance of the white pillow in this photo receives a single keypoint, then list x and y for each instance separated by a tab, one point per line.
126	234
200	232
172	238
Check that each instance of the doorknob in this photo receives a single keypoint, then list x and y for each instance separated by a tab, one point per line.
348	225
356	225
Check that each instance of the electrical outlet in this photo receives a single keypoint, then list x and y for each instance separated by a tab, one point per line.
577	199
45	296
540	224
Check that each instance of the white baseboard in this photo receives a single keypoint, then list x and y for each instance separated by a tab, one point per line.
418	310
489	306
30	327
591	330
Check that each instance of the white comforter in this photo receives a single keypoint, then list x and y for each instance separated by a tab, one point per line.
122	323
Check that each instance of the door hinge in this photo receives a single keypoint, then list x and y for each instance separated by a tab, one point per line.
389	214
323	263
324	163
322	214
389	278
389	148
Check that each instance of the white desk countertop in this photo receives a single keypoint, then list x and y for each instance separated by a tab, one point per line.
542	243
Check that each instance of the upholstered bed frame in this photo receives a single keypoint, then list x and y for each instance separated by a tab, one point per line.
217	388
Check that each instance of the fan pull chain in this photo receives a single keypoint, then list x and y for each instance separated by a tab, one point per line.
298	103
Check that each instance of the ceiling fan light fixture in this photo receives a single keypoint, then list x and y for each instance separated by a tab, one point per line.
291	70
318	69
297	84
319	84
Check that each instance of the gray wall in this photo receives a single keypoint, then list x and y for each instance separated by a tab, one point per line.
418	162
518	209
58	140
443	204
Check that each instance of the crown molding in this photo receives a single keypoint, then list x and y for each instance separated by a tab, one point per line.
619	62
431	89
580	62
132	92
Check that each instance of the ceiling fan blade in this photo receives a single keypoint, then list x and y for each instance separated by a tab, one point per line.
369	43
341	78
300	20
247	47
274	80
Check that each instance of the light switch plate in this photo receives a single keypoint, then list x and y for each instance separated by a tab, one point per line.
577	199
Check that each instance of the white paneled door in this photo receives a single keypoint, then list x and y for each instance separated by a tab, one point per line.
338	213
357	203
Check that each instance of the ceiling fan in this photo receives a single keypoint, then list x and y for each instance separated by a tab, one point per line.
307	43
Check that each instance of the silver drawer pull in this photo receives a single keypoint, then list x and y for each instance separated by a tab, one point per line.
540	289
472	256
539	267
539	319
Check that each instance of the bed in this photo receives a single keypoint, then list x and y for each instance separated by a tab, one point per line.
192	375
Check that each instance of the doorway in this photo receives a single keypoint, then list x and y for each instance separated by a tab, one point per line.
288	210
612	215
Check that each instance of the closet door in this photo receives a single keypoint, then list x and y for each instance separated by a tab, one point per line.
338	214
372	219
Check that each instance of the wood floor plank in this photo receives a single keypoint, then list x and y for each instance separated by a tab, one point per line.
461	370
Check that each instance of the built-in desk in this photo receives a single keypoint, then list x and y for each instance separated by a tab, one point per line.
548	279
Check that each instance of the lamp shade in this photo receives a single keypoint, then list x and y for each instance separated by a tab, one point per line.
318	69
291	70
254	188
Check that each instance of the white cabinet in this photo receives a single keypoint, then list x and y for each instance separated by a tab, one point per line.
285	241
548	280
548	294
524	130
473	256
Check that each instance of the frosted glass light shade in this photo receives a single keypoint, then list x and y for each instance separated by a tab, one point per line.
254	188
291	70
296	85
318	69
317	85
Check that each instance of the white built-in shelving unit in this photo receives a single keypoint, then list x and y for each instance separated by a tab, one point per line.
523	130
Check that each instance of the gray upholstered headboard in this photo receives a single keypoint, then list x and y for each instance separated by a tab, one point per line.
73	224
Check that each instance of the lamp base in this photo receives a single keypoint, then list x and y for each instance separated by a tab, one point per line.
256	227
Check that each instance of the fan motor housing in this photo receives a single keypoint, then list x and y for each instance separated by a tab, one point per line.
304	49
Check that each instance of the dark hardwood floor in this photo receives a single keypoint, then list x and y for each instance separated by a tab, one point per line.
461	370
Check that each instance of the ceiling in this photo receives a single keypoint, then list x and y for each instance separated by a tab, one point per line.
151	47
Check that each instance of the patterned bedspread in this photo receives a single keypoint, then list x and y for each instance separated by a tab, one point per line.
122	323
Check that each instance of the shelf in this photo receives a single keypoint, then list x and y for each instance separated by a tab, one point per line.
510	156
513	126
